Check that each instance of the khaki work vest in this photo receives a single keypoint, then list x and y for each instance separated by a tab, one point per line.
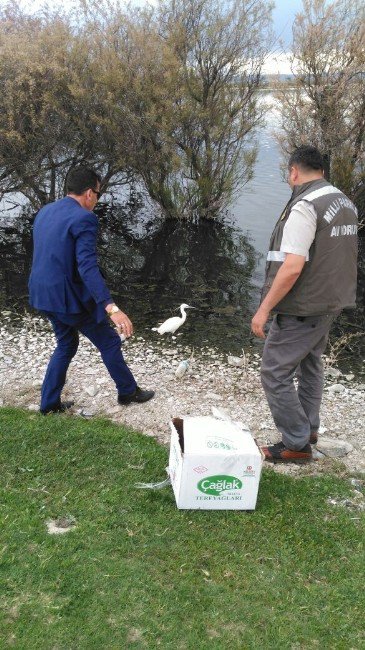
327	283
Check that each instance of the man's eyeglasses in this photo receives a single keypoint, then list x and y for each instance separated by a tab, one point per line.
98	194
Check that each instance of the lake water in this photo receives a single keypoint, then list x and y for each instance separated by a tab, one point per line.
153	265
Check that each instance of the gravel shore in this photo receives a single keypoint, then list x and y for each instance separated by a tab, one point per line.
26	345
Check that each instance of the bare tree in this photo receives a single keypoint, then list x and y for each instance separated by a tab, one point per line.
33	142
219	49
52	110
166	94
182	81
327	104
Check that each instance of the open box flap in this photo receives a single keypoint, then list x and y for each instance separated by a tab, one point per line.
205	434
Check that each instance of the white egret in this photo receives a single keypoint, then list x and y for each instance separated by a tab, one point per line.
172	324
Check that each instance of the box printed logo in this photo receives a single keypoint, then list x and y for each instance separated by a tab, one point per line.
249	471
221	443
200	469
215	485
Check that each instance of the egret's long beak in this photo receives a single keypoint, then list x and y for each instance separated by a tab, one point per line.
190	307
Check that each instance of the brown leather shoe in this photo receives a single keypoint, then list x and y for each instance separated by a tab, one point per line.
314	438
280	454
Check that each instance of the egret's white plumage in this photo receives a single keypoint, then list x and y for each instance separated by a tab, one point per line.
172	324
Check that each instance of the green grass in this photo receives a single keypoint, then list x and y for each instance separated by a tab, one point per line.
138	573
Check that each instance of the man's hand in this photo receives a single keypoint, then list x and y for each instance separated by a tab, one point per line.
259	321
120	319
284	280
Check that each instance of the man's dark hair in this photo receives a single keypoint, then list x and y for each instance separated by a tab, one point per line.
307	157
80	179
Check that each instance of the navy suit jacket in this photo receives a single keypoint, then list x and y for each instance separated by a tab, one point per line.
65	276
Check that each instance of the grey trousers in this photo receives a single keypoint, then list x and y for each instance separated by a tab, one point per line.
293	348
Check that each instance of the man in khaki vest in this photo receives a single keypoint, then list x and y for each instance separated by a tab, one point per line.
310	277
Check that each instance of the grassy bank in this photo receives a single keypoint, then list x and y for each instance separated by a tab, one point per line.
137	573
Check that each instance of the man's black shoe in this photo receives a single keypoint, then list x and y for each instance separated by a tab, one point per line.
61	408
138	396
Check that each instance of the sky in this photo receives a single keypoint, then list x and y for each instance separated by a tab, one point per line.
283	16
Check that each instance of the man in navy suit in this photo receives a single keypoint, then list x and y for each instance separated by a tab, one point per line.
66	284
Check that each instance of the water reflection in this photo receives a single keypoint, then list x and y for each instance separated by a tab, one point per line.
208	265
15	255
152	265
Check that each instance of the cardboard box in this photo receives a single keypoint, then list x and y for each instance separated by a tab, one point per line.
213	465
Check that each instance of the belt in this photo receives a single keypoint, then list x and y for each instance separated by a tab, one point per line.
300	318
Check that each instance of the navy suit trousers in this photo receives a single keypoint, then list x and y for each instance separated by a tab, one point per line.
66	328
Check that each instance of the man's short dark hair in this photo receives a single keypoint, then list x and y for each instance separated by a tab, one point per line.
80	179
307	157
